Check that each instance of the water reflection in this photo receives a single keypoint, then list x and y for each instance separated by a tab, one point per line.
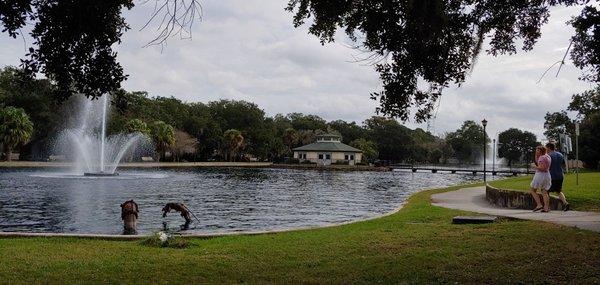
224	200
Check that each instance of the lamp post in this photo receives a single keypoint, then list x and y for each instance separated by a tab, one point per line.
494	157
484	123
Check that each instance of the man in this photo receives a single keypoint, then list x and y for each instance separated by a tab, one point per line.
556	172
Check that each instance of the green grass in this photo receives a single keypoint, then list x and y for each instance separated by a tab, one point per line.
416	245
582	197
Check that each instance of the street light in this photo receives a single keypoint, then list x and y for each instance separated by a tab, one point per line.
494	157
484	123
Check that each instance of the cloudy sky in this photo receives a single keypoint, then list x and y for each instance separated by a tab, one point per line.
246	51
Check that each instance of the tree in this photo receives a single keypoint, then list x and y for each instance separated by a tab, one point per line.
290	138
586	42
437	41
587	106
184	144
412	42
309	136
586	103
515	145
15	129
348	131
33	97
300	121
137	126
394	141
467	141
369	148
557	123
233	142
163	136
73	40
245	117
589	140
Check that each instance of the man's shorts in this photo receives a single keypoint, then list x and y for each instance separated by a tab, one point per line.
556	185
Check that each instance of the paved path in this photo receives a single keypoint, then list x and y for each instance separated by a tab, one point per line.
473	200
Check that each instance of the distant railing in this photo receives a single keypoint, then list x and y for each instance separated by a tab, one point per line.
469	168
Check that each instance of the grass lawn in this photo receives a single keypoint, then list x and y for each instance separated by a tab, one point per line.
416	245
585	197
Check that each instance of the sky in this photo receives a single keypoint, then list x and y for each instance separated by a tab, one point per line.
242	50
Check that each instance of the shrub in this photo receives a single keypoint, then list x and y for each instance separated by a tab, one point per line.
292	160
161	239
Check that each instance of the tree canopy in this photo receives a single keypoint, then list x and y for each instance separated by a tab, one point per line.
587	108
418	47
73	42
516	145
15	128
163	136
436	42
467	142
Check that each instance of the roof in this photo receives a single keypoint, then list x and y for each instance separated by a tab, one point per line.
334	146
329	136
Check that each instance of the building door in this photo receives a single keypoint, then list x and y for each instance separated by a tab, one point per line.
324	159
350	158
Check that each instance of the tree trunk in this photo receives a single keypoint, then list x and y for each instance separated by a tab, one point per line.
8	153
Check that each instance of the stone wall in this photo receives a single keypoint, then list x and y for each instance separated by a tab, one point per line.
516	199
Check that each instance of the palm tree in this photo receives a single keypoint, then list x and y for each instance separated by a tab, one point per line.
233	141
163	136
15	129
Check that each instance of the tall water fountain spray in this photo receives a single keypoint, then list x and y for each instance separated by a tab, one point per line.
103	132
85	140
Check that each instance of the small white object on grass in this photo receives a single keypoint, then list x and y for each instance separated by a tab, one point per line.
162	236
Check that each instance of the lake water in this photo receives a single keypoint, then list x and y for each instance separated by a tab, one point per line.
224	200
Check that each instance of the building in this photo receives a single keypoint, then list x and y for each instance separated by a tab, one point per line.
327	150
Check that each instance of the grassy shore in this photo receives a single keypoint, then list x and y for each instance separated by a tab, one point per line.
416	245
582	197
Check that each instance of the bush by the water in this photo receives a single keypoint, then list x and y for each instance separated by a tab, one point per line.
342	162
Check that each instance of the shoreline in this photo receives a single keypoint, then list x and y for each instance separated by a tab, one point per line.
204	164
200	235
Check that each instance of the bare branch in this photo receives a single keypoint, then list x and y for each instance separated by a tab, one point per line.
177	17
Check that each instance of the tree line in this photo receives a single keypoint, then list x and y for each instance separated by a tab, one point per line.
239	130
586	108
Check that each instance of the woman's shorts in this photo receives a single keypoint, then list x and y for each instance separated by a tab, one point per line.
541	180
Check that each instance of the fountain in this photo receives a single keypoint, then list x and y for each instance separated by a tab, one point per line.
93	152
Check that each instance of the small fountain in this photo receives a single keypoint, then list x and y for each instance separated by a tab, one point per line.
93	152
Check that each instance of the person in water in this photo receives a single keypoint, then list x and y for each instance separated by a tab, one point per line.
542	179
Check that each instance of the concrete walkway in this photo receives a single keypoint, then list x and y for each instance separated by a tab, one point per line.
473	200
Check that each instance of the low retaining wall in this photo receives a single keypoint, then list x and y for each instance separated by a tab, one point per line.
516	199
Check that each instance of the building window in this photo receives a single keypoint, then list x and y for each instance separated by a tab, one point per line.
328	156
345	157
320	156
352	157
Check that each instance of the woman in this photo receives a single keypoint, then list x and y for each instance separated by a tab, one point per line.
542	179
